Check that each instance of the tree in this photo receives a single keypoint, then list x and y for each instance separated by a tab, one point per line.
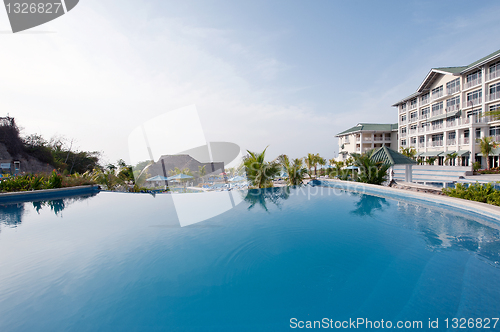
321	161
370	171
409	152
487	145
430	160
259	172
450	157
310	161
295	169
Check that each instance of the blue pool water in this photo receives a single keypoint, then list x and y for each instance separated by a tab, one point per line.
121	262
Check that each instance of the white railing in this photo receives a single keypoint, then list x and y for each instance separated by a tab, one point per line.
494	74
480	119
422	129
437	143
450	91
425	101
413	131
451	123
387	138
466	140
358	139
437	126
403	134
425	116
493	96
367	138
421	145
472	83
413	119
378	138
452	141
437	95
403	122
452	108
471	102
435	113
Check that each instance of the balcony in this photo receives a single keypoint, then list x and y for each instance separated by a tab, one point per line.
437	126
437	95
421	145
450	91
412	107
413	131
451	123
413	145
422	129
413	119
465	140
472	83
494	74
436	113
452	108
437	143
476	118
425	101
402	110
403	134
452	141
378	138
493	96
472	102
403	122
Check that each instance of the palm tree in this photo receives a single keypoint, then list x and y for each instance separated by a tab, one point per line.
450	157
370	171
295	170
321	161
409	152
332	162
487	145
309	161
202	171
259	172
430	160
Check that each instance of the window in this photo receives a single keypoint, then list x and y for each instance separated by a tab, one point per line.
413	116
494	91
437	92
452	135
478	132
437	108
495	107
438	124
466	133
495	131
425	98
403	142
426	112
452	104
413	140
451	121
473	79
421	139
403	130
474	97
437	140
403	107
388	135
453	86
413	103
494	70
403	118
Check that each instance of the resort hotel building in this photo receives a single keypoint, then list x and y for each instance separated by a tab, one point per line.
367	136
447	113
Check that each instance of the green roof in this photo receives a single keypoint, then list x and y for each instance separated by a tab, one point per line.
483	59
389	156
370	127
452	70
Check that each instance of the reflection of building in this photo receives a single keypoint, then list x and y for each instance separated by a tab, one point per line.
170	162
367	136
446	113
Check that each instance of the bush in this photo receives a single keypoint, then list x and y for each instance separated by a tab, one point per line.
484	193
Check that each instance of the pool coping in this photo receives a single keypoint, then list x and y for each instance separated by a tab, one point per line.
24	196
484	209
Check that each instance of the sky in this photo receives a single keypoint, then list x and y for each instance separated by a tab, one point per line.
284	74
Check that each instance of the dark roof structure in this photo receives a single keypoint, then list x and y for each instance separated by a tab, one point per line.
389	156
370	127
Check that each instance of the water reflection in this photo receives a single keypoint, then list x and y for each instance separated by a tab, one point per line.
260	197
11	214
368	204
445	231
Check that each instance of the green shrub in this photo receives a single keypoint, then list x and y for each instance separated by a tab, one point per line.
54	181
484	193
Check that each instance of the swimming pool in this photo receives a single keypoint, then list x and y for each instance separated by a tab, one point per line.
121	262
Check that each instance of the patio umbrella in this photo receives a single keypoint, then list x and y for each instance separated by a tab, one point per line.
179	177
157	178
351	167
237	178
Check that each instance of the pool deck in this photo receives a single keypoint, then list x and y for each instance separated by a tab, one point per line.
37	195
487	210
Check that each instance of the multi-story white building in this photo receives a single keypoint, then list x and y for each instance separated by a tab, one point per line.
367	136
447	112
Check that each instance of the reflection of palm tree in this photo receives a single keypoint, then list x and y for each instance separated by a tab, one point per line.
262	196
367	204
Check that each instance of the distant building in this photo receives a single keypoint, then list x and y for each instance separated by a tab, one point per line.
182	161
367	136
446	113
